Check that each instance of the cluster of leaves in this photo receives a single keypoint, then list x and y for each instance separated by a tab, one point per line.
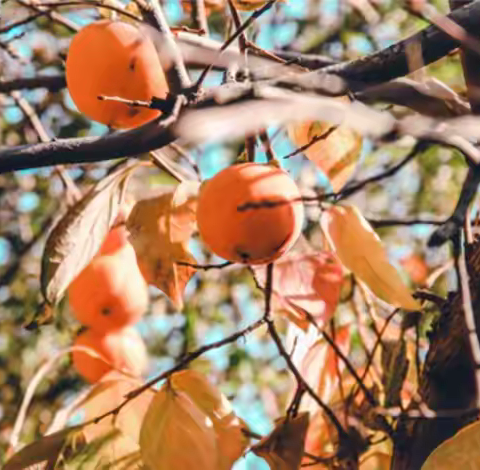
352	350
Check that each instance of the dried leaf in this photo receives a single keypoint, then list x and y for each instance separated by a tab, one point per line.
177	434
336	155
282	449
78	235
159	230
305	287
460	451
47	449
361	251
394	368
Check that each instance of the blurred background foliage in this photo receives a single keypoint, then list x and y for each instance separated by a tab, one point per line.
218	302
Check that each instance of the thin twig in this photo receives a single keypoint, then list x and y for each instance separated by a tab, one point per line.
181	364
256	14
313	141
281	349
73	192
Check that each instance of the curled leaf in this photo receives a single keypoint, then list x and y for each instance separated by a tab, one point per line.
78	235
282	449
176	434
306	287
361	251
159	231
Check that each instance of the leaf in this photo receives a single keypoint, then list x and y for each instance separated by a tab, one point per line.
159	231
374	460
47	449
282	449
116	437
109	393
176	434
394	368
336	155
78	235
231	441
319	435
319	367
460	451
361	251
305	287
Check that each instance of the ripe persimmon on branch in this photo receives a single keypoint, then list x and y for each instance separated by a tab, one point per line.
256	274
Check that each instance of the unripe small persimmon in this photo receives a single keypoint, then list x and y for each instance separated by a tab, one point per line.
123	350
110	292
250	213
113	58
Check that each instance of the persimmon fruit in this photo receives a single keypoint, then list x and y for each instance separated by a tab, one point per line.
250	213
113	58
110	292
123	350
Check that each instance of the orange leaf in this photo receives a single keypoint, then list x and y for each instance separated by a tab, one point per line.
305	286
159	232
282	449
361	251
336	155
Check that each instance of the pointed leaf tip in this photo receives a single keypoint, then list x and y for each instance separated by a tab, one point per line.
361	251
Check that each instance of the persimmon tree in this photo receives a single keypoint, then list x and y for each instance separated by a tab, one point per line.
239	234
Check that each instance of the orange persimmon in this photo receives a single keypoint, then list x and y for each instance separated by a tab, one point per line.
122	350
250	213
113	58
110	292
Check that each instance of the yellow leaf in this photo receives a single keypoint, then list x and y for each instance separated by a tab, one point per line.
206	396
176	434
159	231
375	460
282	449
117	435
336	155
231	441
460	451
109	393
361	251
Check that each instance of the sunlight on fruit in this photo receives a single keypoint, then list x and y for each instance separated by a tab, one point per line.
114	59
250	213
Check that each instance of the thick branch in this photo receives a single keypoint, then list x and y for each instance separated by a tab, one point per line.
392	62
86	149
